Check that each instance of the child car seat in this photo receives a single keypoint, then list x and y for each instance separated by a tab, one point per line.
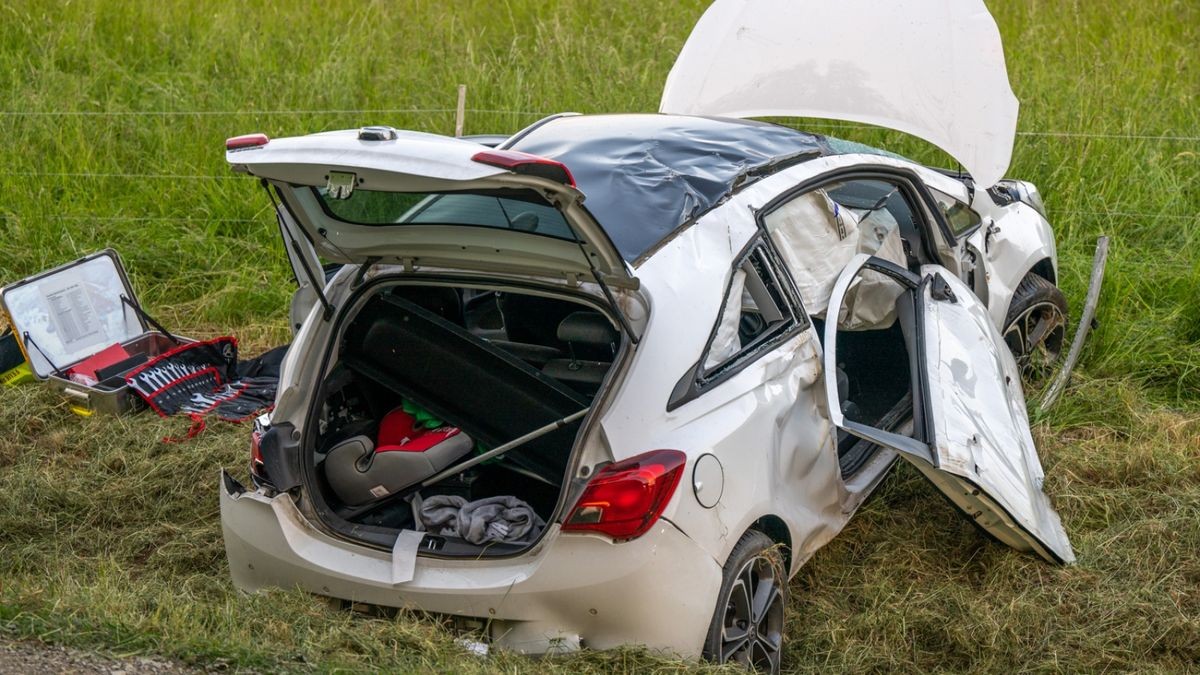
407	453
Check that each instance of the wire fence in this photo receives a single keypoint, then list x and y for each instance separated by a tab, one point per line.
235	113
201	219
485	111
525	113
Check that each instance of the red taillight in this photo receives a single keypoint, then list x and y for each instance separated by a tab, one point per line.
625	499
257	467
526	164
247	141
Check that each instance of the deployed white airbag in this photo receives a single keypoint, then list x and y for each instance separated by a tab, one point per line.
931	68
817	237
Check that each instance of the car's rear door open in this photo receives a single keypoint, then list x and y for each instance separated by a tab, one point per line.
970	433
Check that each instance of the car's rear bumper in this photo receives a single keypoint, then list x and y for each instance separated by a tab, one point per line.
576	590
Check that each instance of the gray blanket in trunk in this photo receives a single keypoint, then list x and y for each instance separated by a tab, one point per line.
505	520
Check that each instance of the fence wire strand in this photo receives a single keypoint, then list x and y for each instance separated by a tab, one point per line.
419	111
232	113
201	219
529	113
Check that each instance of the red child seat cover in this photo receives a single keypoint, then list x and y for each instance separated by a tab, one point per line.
408	451
399	432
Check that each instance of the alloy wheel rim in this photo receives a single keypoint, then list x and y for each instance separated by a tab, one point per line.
752	630
1036	338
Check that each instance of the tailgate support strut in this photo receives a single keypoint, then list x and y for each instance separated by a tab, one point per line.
496	452
313	279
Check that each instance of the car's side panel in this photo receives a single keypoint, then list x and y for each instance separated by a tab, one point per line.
766	425
1013	240
981	430
974	442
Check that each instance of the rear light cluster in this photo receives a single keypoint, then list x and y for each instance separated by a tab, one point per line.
625	499
527	165
258	468
246	142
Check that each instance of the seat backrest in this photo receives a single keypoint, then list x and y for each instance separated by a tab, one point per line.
463	380
441	300
589	336
532	319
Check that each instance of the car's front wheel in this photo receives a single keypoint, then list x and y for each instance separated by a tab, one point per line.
747	627
1036	325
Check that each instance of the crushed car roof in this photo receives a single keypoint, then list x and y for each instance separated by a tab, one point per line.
645	176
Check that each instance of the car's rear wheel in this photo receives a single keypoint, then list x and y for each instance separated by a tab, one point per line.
747	626
1035	327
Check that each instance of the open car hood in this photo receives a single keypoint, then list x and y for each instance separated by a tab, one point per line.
307	173
931	68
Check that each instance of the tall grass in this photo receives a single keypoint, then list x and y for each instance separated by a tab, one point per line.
110	538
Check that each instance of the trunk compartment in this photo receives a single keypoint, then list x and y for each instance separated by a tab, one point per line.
490	366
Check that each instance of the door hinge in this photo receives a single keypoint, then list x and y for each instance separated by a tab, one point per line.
992	230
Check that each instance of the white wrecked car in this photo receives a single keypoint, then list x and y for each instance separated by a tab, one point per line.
614	380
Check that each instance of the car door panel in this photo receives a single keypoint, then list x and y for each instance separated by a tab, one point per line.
971	437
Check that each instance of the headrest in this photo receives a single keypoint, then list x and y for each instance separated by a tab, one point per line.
526	221
441	300
590	328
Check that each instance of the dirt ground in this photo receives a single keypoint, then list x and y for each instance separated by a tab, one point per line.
21	658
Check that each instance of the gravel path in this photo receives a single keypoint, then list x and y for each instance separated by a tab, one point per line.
22	658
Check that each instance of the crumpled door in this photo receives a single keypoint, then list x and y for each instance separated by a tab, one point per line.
971	435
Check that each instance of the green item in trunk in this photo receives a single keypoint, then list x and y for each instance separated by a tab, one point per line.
423	418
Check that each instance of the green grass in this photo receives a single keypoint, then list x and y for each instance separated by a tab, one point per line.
110	539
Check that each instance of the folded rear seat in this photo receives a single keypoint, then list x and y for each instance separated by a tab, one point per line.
458	377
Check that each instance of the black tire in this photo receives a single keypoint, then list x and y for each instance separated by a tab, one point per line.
1035	327
747	625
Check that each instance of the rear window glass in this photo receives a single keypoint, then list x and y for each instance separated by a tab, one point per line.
521	210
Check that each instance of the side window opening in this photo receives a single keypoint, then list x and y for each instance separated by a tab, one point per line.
887	222
758	310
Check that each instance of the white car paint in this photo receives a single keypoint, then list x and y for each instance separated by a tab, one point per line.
1018	237
770	427
982	454
416	162
860	61
307	160
577	589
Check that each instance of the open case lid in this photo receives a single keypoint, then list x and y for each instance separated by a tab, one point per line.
70	313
